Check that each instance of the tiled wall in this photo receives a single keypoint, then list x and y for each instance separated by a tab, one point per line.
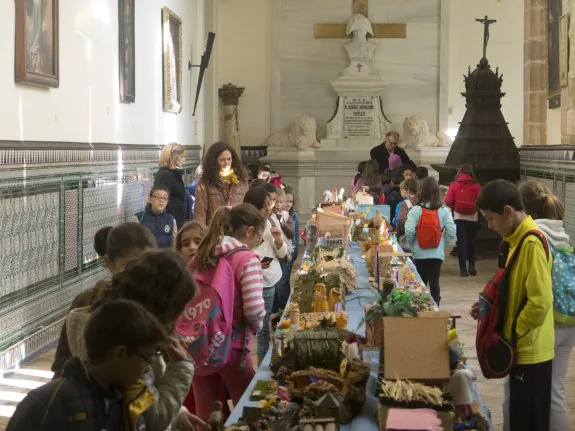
555	166
53	198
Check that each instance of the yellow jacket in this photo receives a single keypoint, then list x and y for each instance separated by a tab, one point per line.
530	276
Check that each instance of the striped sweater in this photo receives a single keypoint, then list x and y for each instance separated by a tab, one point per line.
249	280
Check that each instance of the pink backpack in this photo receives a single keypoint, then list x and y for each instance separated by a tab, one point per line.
205	328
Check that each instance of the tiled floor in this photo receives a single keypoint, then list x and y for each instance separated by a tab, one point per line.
457	295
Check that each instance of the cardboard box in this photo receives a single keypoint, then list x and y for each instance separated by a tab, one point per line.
446	418
415	348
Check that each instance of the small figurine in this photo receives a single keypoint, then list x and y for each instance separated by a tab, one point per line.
216	419
350	348
283	393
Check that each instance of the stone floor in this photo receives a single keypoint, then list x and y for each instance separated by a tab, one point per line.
457	295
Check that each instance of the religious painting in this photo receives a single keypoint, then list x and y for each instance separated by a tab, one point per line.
127	52
563	50
554	8
36	43
172	61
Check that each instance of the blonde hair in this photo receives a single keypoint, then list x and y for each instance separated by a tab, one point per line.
169	154
189	226
540	202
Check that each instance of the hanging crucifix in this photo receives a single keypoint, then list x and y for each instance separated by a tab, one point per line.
486	23
338	31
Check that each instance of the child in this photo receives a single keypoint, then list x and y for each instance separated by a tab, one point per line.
409	194
421	173
124	243
264	172
355	182
370	180
189	238
272	246
530	281
121	340
155	217
291	208
461	197
162	283
286	223
436	224
408	173
191	193
100	240
240	226
549	213
393	194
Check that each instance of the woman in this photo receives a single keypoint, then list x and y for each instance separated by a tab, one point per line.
170	175
548	212
224	182
461	197
428	259
271	250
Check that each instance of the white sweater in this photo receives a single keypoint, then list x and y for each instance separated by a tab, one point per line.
273	274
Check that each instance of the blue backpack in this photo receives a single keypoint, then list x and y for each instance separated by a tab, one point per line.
563	274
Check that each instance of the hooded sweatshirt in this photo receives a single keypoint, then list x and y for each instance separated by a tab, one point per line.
554	231
462	180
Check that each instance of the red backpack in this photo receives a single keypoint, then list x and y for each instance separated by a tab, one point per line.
465	198
205	328
428	231
496	355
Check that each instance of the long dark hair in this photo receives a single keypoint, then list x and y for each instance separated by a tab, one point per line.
370	174
231	222
211	173
429	194
467	169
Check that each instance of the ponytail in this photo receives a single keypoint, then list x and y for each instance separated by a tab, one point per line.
540	202
232	222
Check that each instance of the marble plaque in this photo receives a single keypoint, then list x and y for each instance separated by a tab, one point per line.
359	119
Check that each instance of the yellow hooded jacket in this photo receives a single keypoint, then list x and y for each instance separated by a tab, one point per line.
530	277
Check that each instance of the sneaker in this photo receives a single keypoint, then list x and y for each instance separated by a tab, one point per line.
463	273
472	270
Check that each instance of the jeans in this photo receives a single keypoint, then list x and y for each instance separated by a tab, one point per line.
429	271
466	242
263	336
283	287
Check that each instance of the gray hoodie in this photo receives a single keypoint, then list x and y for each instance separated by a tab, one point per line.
554	231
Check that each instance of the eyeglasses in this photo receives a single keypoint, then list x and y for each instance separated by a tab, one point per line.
160	198
149	359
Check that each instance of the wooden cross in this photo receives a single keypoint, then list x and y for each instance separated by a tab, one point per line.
486	23
337	31
359	66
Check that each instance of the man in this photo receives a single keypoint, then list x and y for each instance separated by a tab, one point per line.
382	152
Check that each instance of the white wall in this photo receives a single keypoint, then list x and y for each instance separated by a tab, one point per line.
86	107
505	50
243	59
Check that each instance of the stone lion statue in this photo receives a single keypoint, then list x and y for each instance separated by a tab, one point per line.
416	135
300	133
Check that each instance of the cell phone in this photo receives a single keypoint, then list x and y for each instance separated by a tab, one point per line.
266	259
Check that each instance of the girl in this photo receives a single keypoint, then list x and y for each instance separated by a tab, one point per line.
189	239
286	223
549	214
461	197
370	179
409	194
170	175
355	182
428	260
291	208
271	250
123	243
224	182
230	229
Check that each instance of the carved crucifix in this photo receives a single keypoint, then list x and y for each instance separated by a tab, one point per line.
486	23
337	31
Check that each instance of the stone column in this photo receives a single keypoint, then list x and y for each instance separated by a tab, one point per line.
535	73
568	93
230	95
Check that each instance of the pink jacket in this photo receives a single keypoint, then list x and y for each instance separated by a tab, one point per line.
249	302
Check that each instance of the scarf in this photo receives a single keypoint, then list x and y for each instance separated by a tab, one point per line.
230	178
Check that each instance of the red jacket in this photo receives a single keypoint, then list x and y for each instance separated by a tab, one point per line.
460	180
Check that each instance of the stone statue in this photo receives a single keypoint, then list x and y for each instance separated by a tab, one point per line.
416	135
300	133
360	49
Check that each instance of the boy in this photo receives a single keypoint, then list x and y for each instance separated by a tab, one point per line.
408	173
157	220
529	383
393	194
264	172
121	339
101	240
421	173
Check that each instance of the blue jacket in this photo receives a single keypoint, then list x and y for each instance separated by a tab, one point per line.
447	226
161	225
295	242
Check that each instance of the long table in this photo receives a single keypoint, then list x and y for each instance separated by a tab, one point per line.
355	302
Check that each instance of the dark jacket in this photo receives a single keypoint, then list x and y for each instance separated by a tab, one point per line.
71	402
161	225
173	180
393	198
381	154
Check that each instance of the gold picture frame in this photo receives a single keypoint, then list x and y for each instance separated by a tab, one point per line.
171	61
564	51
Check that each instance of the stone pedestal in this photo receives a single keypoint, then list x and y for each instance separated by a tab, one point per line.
230	95
428	156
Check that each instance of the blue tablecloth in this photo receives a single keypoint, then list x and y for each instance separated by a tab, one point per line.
361	296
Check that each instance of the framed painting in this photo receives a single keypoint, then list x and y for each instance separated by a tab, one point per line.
172	61
564	51
554	12
36	54
127	52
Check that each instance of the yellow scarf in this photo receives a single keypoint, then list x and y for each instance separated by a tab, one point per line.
230	178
